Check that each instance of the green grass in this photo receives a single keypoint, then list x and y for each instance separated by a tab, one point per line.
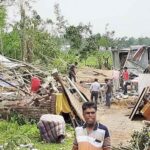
30	133
92	59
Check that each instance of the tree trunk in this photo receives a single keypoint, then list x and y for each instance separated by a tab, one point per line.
29	50
1	42
22	27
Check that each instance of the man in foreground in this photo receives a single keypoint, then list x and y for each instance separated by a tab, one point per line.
92	135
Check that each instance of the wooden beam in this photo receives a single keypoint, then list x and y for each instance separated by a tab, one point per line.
74	86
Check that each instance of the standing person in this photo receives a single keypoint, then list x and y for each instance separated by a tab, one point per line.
72	71
95	89
108	92
92	135
125	76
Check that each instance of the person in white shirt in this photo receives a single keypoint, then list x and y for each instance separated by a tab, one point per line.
94	89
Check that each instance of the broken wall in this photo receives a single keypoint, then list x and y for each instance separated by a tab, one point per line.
144	81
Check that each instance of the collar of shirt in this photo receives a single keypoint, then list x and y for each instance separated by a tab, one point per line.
95	127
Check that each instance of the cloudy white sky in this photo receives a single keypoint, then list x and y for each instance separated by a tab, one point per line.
126	17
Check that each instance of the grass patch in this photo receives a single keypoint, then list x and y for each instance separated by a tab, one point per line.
30	133
98	59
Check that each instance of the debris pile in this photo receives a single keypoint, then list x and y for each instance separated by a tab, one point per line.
31	92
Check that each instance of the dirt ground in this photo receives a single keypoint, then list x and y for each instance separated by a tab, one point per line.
117	117
117	120
89	74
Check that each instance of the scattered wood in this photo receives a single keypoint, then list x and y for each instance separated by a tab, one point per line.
15	86
98	73
135	109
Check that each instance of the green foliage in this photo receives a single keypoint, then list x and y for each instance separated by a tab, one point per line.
126	42
2	17
25	134
15	141
20	119
74	36
97	60
11	44
140	141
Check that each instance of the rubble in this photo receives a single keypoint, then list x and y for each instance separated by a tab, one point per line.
17	96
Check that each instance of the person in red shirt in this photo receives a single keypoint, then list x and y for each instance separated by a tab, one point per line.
125	76
35	84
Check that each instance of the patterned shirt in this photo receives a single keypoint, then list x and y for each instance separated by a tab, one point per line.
98	139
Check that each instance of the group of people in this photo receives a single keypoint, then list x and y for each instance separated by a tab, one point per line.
95	86
95	89
92	135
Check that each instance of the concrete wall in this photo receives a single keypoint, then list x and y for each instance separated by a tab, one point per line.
116	62
144	81
144	60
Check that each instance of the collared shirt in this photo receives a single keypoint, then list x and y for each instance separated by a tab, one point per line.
95	87
96	140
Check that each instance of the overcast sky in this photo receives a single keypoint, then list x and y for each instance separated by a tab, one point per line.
126	17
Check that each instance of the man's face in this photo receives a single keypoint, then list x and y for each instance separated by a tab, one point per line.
90	116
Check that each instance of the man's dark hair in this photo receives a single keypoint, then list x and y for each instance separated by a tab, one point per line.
125	68
96	80
76	63
87	105
106	80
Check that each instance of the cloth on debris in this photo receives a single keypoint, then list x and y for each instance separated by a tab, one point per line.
51	127
35	84
62	104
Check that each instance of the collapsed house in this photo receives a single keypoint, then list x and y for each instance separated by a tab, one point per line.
136	58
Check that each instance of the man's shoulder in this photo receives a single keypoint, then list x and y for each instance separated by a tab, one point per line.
105	129
96	83
101	126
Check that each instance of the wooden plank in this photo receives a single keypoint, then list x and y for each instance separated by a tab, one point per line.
84	91
146	111
75	103
134	110
74	86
